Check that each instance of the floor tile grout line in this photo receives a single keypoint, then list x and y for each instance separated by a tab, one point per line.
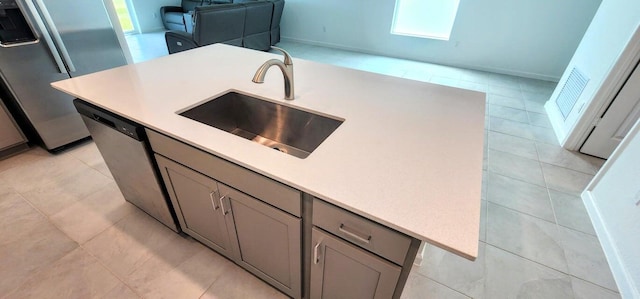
520	212
539	263
542	162
442	284
579	231
79	246
220	276
595	168
533	139
94	168
566	168
108	227
595	284
545	266
544	177
122	280
548	194
106	266
496	116
553	208
511	177
513	136
48	219
43	268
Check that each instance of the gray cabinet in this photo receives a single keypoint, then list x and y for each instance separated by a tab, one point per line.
354	257
197	203
268	240
259	237
264	226
342	270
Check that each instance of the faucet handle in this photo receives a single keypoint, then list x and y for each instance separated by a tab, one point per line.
287	57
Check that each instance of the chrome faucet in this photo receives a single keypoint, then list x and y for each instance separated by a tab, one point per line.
287	70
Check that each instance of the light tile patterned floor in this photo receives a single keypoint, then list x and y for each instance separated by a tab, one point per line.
66	232
147	46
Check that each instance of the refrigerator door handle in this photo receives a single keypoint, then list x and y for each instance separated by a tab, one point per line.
56	35
18	44
45	35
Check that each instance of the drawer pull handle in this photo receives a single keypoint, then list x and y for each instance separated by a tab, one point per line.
213	200
342	228
316	257
224	210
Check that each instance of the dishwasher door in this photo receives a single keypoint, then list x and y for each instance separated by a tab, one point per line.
122	144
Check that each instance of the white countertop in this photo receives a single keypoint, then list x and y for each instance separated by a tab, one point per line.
408	155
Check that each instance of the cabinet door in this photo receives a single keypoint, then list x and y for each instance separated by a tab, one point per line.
197	202
341	270
268	238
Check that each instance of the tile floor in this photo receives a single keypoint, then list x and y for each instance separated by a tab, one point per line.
147	46
66	232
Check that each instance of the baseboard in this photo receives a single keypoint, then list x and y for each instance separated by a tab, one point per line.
472	67
623	280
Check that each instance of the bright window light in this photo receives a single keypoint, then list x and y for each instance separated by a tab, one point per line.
425	18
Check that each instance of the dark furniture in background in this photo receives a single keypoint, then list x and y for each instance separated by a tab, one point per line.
250	24
177	17
173	16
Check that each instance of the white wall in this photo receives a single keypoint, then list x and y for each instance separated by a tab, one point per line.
607	37
531	38
113	17
148	13
613	202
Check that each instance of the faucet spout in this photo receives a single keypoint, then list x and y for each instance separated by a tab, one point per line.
285	66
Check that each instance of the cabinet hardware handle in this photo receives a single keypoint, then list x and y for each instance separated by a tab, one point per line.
316	257
213	200
342	228
224	211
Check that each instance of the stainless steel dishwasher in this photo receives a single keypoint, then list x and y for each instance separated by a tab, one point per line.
124	147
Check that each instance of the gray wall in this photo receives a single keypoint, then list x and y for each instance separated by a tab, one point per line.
531	38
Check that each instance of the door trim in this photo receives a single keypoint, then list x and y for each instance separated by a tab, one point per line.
113	17
614	81
625	283
626	92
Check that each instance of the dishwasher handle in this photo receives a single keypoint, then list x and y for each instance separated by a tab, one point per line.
110	119
104	121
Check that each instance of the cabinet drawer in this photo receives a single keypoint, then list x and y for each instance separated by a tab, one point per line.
362	232
247	181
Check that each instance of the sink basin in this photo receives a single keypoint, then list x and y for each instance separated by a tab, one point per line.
283	128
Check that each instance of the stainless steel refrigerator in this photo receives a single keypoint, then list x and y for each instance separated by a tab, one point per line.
42	41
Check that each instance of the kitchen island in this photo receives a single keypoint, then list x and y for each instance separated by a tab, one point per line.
408	155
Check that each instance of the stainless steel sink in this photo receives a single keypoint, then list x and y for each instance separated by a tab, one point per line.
283	128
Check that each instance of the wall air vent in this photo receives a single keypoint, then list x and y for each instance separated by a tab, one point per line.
571	91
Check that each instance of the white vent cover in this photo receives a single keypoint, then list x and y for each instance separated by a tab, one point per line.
571	91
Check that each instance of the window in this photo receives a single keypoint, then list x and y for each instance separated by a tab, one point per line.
123	15
424	18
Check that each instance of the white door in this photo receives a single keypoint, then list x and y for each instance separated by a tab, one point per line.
617	120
